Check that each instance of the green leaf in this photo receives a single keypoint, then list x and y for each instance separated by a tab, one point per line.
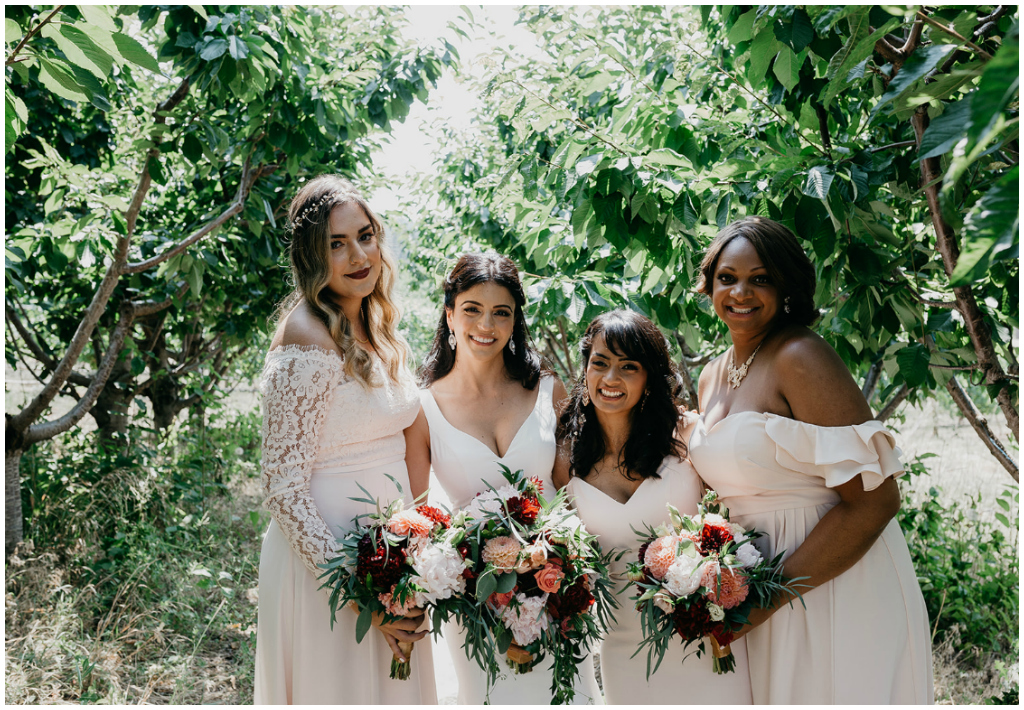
585	166
270	213
797	33
363	624
97	15
90	51
195	276
741	30
922	61
12	31
56	76
722	214
237	48
762	50
819	181
787	68
999	84
134	52
945	131
666	156
485	585
506	583
990	228
192	148
913	363
213	48
200	11
685	210
858	47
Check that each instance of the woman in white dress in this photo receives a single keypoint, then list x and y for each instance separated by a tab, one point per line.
336	399
621	462
789	443
486	401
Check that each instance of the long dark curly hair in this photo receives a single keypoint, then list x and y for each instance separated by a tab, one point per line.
653	422
524	365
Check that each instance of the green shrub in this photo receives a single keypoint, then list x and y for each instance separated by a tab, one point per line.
967	567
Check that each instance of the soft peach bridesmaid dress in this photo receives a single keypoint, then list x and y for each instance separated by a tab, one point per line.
863	638
682	678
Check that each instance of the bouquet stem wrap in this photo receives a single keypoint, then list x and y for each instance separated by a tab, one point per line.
722	659
401	670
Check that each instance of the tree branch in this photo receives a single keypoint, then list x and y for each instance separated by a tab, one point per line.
980	425
953	33
826	139
901	144
949	248
26	38
893	404
47	430
871	379
565	349
148	308
249	177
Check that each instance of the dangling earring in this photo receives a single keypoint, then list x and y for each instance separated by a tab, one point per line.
785	307
586	398
644	400
451	339
512	346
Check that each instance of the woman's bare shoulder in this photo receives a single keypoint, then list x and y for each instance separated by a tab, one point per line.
302	328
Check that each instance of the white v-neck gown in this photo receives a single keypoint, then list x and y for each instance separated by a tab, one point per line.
682	678
462	464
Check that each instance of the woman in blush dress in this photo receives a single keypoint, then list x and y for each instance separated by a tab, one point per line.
487	401
336	399
787	440
621	462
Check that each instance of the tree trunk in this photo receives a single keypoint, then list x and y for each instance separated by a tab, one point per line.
13	526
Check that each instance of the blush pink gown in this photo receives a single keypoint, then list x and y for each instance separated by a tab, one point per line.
864	636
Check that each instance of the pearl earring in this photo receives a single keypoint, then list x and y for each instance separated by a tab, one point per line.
451	339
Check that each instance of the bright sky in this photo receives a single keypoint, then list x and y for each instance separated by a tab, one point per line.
412	147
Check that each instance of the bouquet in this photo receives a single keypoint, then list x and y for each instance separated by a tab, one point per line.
399	560
701	578
540	580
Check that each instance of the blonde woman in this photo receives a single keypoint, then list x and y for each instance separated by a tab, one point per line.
336	399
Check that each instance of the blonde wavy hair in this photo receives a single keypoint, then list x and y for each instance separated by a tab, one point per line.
309	216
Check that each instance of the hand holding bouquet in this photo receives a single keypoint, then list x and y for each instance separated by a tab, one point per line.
541	581
396	562
701	578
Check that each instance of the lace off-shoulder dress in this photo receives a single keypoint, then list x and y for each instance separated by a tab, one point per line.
324	435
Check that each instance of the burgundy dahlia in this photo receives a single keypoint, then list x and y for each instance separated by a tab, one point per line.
384	564
714	537
571	601
694	622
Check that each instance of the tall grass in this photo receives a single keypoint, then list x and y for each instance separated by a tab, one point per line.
137	581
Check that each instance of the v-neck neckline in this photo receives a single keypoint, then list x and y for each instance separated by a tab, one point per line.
515	438
617	502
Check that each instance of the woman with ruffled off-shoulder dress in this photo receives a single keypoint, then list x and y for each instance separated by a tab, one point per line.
337	399
788	442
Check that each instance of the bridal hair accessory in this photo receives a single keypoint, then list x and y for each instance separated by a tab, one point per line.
451	339
313	208
736	374
785	307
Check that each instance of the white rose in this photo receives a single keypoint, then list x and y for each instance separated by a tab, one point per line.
715	519
683	577
717	613
747	555
663	602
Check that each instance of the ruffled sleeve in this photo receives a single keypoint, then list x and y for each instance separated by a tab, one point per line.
297	385
837	454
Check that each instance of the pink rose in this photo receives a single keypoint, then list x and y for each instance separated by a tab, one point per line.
549	578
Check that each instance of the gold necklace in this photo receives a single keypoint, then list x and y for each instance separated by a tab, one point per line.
736	374
361	342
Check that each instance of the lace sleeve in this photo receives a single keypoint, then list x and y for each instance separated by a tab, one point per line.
297	386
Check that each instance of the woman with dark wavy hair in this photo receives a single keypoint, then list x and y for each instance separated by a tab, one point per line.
621	460
788	441
487	401
337	396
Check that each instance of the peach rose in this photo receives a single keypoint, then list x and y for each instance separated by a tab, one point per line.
549	578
